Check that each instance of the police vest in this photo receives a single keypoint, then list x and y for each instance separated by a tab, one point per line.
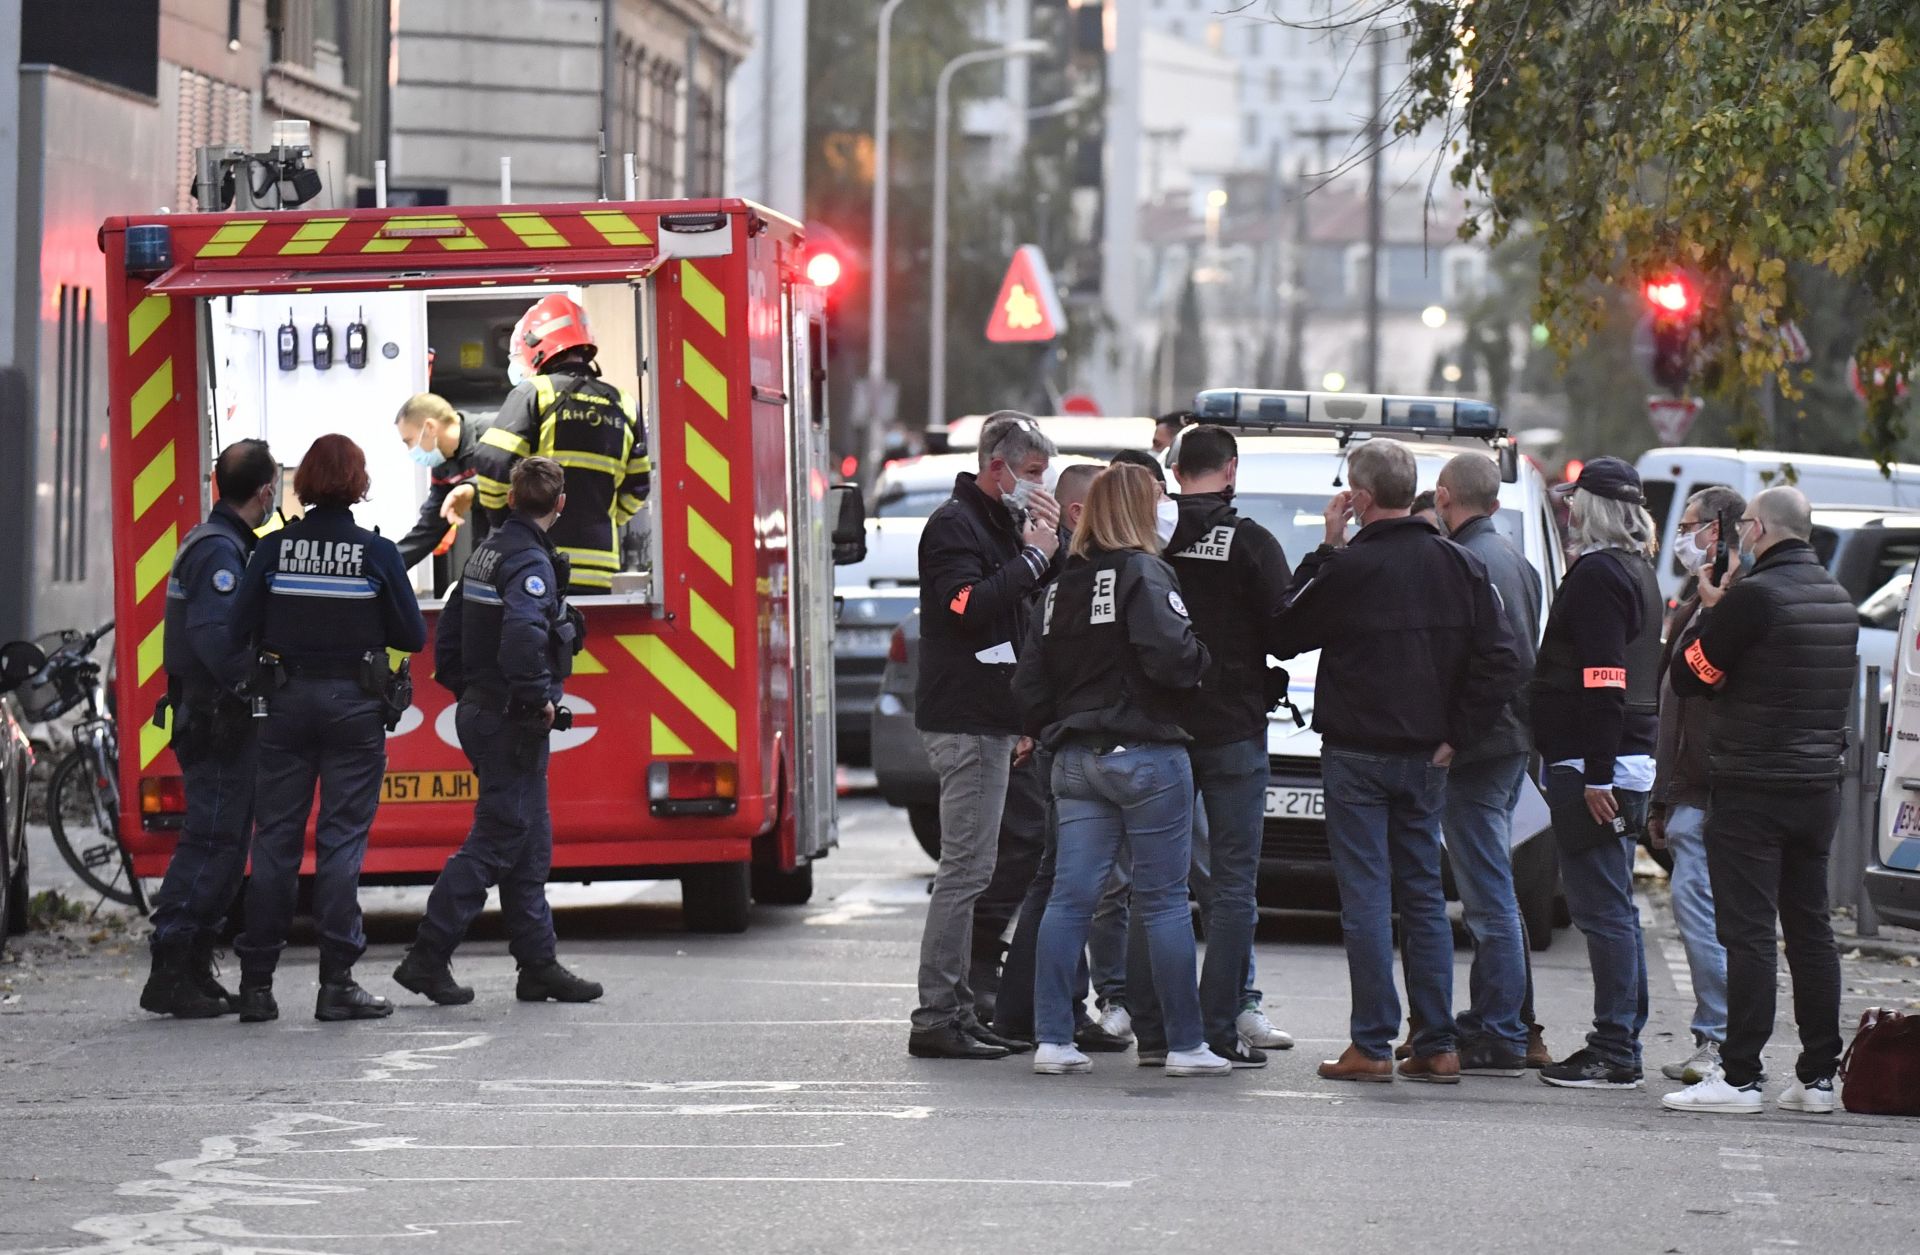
589	427
1096	675
1232	704
177	654
484	591
1558	669
323	596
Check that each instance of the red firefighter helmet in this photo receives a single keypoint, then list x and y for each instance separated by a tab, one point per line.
555	324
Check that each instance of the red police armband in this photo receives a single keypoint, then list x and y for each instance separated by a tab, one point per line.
1604	677
1703	670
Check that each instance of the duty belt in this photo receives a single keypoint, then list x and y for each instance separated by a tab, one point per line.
322	668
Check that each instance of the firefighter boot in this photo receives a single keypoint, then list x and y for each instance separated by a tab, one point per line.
542	981
256	999
170	988
342	999
204	972
431	976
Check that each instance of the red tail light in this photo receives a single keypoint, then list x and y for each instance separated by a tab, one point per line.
691	788
163	795
897	647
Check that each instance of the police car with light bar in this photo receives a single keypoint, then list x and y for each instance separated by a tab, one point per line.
1293	449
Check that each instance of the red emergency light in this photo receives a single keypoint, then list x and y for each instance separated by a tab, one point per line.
824	269
1670	293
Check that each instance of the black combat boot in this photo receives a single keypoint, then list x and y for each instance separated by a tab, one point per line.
170	989
540	981
342	999
204	972
256	1000
431	976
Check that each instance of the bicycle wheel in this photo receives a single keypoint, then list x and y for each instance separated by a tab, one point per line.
76	801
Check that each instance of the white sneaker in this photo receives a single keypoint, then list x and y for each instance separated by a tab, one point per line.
1716	1096
1114	1019
1259	1030
1201	1062
1697	1066
1815	1099
1051	1060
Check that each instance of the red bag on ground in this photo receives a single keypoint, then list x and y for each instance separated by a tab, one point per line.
1880	1073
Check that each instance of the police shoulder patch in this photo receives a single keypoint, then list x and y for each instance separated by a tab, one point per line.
535	586
223	581
1179	606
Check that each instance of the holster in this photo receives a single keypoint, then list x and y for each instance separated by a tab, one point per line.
392	688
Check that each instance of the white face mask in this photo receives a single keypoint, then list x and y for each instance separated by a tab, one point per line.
1018	496
1688	552
1166	516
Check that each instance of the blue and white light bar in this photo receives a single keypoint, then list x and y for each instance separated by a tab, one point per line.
1348	411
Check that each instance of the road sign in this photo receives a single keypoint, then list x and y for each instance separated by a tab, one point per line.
1880	374
1672	417
1028	311
1080	403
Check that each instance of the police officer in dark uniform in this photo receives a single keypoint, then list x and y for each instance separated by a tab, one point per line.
442	440
323	600
505	643
212	736
1103	678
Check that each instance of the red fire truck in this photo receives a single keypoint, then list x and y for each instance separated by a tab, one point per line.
703	747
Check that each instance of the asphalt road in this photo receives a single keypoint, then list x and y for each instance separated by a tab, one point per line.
754	1093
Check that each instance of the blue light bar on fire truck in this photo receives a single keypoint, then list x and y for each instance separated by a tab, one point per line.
1332	412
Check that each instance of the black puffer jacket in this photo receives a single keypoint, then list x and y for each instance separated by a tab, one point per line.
1234	577
1779	655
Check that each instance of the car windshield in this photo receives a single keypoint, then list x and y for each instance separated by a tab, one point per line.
1881	608
910	505
1296	519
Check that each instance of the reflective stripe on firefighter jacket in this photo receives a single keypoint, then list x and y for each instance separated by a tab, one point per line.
592	429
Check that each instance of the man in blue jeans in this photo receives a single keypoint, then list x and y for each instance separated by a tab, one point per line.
1416	658
1483	787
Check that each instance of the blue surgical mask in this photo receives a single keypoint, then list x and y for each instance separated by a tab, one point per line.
429	456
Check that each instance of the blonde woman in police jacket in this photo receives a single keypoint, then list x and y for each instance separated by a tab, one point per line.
1101	681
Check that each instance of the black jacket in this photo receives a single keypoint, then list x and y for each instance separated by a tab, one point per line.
456	471
197	648
324	590
505	638
1596	687
1518	584
1233	575
1779	655
976	581
1112	655
1414	649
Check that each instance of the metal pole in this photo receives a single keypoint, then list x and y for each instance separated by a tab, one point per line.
1375	136
630	178
506	180
380	184
937	320
876	417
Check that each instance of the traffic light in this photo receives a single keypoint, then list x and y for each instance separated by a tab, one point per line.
828	262
1673	310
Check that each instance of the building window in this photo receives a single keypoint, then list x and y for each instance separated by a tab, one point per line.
1274	84
72	433
1252	130
646	116
1253	39
211	113
706	142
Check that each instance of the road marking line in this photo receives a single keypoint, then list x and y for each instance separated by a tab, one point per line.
417	1058
381	1145
1678	967
826	984
1103	1185
896	1021
629	1109
851	912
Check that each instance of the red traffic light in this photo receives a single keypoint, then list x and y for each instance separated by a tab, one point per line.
1671	293
824	269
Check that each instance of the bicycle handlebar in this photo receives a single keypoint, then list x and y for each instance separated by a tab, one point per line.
78	649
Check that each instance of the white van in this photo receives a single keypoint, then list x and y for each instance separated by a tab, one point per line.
1670	476
1893	876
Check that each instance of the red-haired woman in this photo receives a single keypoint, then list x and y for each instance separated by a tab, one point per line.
324	597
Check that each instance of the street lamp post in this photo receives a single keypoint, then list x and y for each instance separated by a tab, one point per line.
937	319
877	319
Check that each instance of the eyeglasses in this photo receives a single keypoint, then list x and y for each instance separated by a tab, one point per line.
1688	529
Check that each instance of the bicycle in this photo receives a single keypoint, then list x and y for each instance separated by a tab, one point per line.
83	796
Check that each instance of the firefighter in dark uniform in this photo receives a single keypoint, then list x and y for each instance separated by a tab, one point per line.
567	412
322	602
1109	665
441	439
212	734
505	643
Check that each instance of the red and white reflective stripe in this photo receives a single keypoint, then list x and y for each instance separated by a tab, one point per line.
1697	663
1604	677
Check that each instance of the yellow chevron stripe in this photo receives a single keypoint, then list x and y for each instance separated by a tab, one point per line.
153	740
151	568
312	237
705	299
231	238
706	541
666	744
701	375
534	231
146	319
152	652
153	481
151	396
711	627
616	227
584	663
677	678
709	464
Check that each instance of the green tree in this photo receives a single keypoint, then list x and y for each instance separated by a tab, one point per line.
1766	146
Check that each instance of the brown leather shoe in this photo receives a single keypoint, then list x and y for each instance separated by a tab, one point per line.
1440	1069
1352	1065
1538	1056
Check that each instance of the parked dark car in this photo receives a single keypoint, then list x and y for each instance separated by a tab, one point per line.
900	765
864	623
